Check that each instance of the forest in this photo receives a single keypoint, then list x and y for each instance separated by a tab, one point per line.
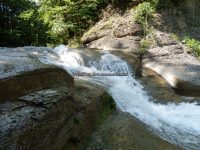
46	22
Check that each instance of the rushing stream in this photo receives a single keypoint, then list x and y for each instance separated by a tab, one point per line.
177	123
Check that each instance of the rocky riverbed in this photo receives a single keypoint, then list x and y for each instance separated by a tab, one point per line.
50	109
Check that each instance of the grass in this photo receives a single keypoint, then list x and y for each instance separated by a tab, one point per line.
143	12
193	44
145	45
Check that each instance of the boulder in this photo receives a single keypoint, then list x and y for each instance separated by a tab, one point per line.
53	119
21	72
128	43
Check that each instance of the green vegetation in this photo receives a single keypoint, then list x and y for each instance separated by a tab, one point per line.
20	24
145	45
193	44
47	23
108	105
52	22
143	12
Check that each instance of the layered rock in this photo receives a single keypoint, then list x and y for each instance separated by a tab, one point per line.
21	72
128	43
114	26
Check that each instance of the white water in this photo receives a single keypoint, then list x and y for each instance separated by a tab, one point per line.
177	123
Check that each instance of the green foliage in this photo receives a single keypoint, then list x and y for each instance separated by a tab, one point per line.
20	24
163	4
193	44
143	12
75	43
145	45
69	19
49	22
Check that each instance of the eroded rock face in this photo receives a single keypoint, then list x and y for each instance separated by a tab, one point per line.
35	121
41	108
172	61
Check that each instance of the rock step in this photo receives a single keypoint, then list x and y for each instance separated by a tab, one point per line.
38	79
52	119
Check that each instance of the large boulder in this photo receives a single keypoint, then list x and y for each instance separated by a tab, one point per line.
21	72
53	119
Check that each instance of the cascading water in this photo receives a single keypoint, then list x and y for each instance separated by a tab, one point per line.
177	123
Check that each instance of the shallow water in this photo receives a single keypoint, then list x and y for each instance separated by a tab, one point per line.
177	123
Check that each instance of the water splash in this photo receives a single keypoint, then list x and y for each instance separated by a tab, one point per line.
177	123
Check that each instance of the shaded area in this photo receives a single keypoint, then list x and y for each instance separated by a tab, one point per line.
122	131
181	18
20	24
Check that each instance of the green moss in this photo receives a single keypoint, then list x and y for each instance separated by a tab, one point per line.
108	106
108	101
76	121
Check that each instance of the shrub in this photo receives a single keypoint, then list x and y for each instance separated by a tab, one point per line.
143	12
145	45
193	44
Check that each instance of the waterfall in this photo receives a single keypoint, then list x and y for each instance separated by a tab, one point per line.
176	123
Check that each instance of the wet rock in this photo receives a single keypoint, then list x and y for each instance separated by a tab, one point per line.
122	131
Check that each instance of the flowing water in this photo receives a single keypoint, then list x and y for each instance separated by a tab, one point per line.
176	123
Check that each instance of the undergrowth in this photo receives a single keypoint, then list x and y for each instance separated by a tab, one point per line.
193	44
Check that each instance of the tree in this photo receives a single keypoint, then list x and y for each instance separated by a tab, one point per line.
19	24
